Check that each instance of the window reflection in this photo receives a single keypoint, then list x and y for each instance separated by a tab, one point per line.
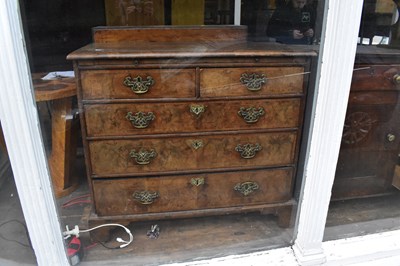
293	23
379	22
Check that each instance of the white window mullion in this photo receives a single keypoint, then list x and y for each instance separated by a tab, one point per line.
21	129
336	59
237	12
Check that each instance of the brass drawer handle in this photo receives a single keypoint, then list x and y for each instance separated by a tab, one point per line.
197	109
197	181
254	81
246	188
391	137
145	197
139	85
143	156
251	114
140	119
248	151
396	79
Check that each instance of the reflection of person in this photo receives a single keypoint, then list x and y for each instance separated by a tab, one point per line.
292	23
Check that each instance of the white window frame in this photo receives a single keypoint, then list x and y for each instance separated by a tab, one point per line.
21	129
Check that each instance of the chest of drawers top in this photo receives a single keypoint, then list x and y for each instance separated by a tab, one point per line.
129	45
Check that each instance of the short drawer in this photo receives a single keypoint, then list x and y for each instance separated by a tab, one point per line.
168	154
138	83
221	82
375	78
191	192
157	118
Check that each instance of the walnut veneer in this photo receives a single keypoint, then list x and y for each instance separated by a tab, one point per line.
191	124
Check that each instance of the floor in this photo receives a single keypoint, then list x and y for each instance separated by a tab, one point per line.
14	241
186	239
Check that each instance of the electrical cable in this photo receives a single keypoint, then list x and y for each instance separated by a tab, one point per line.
76	202
74	199
92	245
79	197
120	240
12	240
103	244
76	232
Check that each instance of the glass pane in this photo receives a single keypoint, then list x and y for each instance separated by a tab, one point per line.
365	195
164	117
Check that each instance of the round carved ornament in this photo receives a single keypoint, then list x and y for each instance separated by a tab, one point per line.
356	127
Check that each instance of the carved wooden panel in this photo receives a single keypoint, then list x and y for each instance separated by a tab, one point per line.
134	12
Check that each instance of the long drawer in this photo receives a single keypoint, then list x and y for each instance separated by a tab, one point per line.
375	78
228	82
191	192
157	118
138	83
168	154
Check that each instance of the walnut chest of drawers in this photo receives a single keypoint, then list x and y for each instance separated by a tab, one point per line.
189	122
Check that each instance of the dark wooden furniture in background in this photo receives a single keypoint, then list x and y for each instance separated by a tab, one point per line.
134	13
2	141
55	28
64	131
369	152
198	123
4	160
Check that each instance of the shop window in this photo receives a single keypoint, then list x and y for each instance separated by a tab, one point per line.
217	146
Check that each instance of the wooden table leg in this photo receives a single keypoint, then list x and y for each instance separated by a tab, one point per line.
63	148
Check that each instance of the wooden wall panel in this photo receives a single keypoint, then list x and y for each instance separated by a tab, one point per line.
134	12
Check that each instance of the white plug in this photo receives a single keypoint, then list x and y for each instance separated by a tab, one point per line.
74	232
120	240
126	243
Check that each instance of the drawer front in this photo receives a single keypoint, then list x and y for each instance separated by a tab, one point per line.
370	78
136	119
217	82
138	83
374	97
155	155
190	192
